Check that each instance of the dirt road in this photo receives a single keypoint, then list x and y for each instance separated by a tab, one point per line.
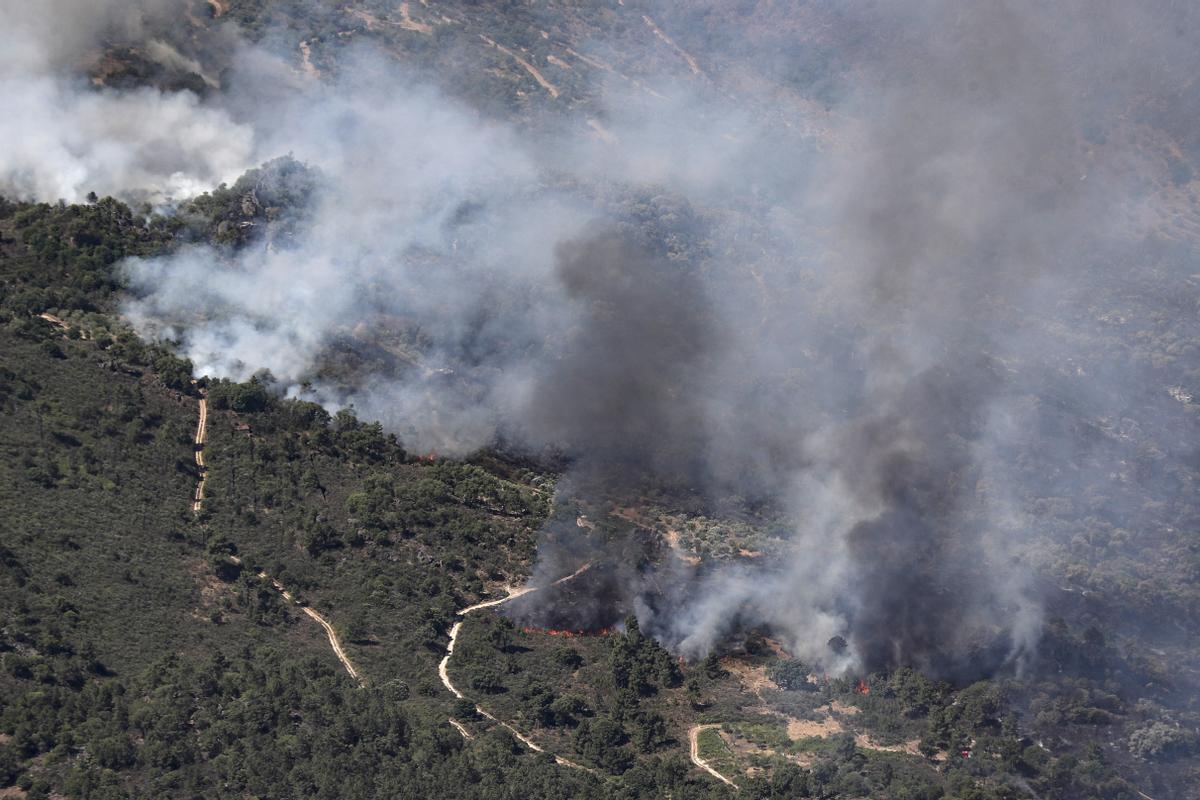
550	88
667	40
198	496
198	499
560	581
444	670
334	641
444	665
53	320
694	741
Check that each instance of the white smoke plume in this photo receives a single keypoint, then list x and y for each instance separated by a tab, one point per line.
63	139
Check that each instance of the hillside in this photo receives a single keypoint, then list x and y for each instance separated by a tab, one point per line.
609	400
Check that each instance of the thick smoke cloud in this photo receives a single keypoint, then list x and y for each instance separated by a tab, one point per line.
861	324
429	219
626	386
63	139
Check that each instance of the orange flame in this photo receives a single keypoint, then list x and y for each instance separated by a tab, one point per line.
862	687
567	634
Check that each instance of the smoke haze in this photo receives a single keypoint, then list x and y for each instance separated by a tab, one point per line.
870	323
64	138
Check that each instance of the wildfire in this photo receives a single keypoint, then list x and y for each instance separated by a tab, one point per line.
862	687
429	457
568	634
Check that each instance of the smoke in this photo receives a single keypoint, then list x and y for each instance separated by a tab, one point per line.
626	385
428	219
868	327
63	139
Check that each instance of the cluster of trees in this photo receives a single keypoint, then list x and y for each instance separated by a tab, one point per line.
66	256
640	664
271	200
612	714
791	674
1158	741
260	722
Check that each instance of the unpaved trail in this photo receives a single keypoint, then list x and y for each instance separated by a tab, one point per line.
593	61
306	65
334	641
333	638
444	664
513	594
198	499
53	320
570	577
550	88
458	726
684	54
409	24
201	427
694	742
444	670
62	324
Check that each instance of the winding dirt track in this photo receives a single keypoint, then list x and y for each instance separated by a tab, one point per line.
443	666
197	501
458	726
550	88
334	641
201	426
694	742
444	674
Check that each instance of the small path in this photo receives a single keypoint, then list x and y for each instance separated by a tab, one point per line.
62	324
694	741
306	65
593	61
444	670
513	594
571	577
198	444
550	88
444	664
684	54
198	499
409	24
334	641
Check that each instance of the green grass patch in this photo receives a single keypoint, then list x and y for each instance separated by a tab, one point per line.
770	733
713	750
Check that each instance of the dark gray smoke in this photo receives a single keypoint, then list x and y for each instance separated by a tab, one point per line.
624	390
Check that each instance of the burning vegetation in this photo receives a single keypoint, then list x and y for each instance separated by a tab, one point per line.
567	634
